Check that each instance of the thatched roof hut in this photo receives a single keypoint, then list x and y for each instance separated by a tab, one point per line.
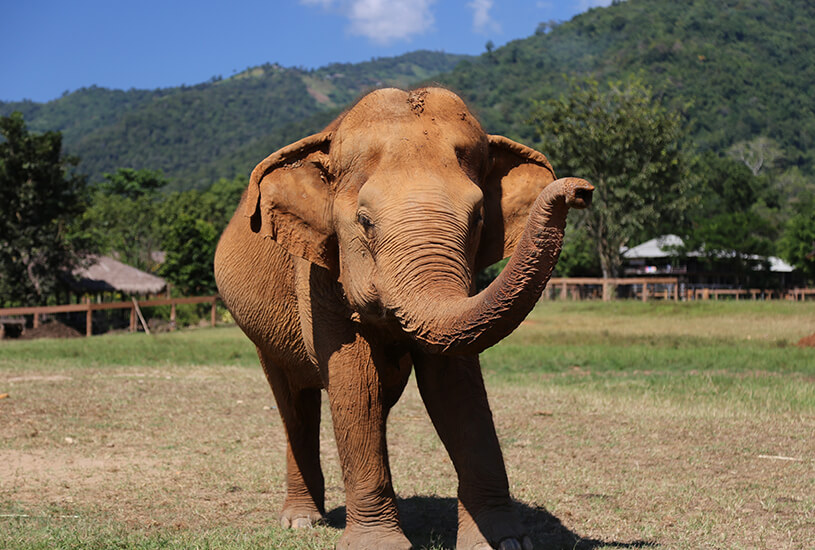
104	274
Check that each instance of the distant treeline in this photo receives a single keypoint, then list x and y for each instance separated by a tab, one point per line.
198	134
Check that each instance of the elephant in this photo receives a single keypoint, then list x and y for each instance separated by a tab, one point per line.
350	262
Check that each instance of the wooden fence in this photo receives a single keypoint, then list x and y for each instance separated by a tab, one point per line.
578	286
89	307
667	288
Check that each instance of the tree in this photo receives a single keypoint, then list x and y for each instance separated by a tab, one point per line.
191	223
626	144
189	243
131	183
124	219
39	196
757	154
798	241
730	224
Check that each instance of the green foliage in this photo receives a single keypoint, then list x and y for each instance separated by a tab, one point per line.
726	226
130	219
740	69
39	195
189	243
626	144
123	218
198	134
190	224
132	184
79	113
798	241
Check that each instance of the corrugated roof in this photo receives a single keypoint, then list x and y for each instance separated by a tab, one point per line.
666	246
104	274
660	247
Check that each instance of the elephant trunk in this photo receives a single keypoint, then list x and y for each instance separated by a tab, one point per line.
462	324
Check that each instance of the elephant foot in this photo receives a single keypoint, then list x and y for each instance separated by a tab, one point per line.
369	537
493	527
301	516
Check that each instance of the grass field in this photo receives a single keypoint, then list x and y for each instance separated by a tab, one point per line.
624	425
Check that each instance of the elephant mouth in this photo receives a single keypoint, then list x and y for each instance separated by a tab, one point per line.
377	313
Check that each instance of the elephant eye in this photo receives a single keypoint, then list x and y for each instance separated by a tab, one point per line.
478	216
365	222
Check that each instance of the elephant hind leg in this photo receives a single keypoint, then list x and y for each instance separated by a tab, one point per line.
300	411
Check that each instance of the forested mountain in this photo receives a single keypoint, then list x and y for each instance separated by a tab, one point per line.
196	134
738	69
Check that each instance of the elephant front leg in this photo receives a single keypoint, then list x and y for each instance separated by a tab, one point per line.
300	411
359	408
453	392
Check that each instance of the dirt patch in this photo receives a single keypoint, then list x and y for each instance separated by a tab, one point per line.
318	96
807	341
38	378
200	448
51	329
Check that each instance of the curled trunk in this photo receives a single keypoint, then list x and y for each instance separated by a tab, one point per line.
462	324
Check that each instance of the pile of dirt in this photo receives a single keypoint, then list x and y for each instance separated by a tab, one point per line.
51	329
807	341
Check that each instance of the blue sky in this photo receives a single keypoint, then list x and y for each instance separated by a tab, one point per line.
50	47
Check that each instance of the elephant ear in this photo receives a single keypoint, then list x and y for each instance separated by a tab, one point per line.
289	200
517	175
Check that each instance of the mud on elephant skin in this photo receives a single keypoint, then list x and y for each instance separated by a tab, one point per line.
350	261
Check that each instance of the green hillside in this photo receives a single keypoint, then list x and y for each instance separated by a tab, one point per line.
738	68
196	134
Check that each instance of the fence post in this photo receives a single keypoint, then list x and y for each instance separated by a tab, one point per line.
644	291
214	299
88	317
172	316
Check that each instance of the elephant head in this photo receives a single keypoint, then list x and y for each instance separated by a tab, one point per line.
404	198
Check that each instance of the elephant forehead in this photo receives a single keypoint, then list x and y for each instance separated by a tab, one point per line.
398	125
417	108
395	102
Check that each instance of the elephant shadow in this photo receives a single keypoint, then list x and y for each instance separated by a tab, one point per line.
430	522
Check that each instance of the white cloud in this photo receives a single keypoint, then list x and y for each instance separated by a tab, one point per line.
482	22
383	21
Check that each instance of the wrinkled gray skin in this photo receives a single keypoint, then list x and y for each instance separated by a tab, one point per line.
351	259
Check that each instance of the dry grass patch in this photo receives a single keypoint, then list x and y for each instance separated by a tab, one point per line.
184	455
